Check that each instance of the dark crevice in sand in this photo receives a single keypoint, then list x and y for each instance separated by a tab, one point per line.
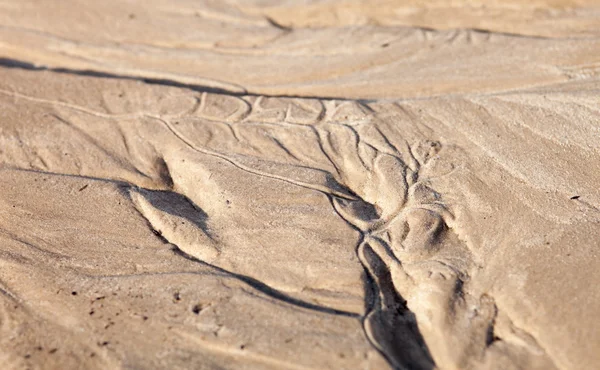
278	25
491	336
389	324
19	64
264	288
14	63
508	34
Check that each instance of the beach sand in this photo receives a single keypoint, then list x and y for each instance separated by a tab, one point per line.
269	185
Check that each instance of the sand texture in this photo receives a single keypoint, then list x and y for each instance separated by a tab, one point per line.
299	185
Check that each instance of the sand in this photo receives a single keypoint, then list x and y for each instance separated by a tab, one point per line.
269	185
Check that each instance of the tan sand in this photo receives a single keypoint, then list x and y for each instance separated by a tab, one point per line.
326	186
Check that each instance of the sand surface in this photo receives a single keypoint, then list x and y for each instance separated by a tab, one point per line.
299	185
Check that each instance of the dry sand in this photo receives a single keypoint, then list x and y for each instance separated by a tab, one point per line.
269	185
